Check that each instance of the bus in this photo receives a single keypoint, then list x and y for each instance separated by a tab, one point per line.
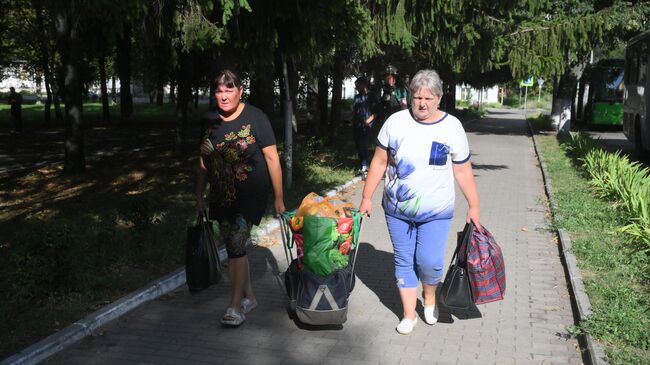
600	95
636	98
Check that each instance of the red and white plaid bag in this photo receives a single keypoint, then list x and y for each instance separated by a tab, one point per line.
487	272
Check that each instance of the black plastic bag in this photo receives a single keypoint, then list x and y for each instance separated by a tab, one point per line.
455	295
202	265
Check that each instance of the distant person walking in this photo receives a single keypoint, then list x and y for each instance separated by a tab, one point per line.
422	150
394	95
239	160
16	102
363	114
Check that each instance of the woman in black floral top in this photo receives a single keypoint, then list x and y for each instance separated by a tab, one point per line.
239	161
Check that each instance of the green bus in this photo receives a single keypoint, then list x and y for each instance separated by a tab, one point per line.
636	120
600	94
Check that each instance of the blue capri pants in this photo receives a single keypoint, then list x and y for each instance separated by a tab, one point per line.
419	250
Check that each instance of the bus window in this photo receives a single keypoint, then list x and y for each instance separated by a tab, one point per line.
643	62
610	85
632	66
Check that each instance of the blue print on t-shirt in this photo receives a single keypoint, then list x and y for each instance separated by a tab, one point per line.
438	154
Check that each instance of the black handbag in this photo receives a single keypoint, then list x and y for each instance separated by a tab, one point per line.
202	264
455	296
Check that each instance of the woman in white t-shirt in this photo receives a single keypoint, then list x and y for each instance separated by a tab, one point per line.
421	150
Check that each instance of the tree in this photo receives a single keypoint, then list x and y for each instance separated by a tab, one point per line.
68	15
558	42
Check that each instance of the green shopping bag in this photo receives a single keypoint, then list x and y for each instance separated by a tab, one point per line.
319	237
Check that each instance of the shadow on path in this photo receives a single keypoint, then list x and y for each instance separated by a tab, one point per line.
375	268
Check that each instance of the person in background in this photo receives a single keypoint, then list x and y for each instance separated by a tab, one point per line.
363	116
239	161
421	151
394	95
16	102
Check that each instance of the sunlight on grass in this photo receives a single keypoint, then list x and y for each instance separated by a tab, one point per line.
616	277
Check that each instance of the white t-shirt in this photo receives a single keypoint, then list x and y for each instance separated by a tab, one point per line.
419	179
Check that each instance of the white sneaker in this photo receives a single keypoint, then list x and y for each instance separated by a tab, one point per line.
406	325
431	314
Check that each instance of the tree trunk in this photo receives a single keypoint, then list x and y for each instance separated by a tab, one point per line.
323	98
45	59
196	98
288	130
312	100
69	47
293	84
48	104
450	105
172	91
124	71
113	90
337	90
57	89
262	89
106	117
160	93
562	101
448	102
564	97
185	74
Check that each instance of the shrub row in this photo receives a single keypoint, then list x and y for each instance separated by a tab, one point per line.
615	177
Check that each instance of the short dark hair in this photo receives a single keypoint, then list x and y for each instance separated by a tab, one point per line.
12	89
362	81
228	78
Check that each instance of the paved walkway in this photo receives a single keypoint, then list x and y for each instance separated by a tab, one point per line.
528	327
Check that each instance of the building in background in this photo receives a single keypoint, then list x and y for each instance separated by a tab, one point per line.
477	96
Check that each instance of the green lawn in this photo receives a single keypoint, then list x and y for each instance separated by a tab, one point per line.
147	114
616	275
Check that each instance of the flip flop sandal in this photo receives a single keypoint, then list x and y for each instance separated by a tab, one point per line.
248	305
233	317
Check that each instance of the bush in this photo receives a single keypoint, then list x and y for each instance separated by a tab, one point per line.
614	177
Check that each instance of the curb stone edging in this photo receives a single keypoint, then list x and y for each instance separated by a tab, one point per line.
83	328
595	352
63	339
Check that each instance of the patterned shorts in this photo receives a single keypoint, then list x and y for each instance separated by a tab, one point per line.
235	233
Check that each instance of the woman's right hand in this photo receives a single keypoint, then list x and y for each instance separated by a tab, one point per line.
200	205
366	206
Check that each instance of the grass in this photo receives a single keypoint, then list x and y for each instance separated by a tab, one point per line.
147	114
514	101
616	275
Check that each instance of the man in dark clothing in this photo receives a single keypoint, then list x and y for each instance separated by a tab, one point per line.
394	96
363	113
16	102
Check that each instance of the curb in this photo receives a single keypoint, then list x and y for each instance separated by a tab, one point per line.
595	352
81	329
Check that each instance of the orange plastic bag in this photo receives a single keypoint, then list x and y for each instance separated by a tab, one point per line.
318	206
